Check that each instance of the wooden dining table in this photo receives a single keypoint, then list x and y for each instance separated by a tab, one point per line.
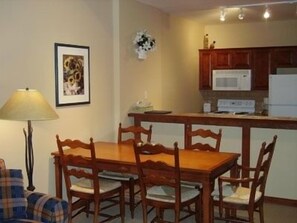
196	166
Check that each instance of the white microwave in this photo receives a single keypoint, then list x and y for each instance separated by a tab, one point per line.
231	80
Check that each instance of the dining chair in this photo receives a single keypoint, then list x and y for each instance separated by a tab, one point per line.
205	140
127	135
202	140
159	174
245	192
83	184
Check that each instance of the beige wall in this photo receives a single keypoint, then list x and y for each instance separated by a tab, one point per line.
281	33
29	30
169	74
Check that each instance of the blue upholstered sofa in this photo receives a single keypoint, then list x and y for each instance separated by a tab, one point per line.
17	204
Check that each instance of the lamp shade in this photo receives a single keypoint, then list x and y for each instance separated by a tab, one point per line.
27	104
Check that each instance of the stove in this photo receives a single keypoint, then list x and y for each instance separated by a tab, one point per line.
236	106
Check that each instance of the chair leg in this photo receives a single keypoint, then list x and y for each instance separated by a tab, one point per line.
69	211
122	204
131	197
177	216
158	214
251	216
144	213
96	211
198	210
261	212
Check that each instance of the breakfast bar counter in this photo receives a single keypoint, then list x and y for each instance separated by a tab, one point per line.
245	122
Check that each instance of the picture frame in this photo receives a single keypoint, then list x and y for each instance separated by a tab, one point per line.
72	68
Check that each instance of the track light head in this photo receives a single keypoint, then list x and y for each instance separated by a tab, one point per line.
222	15
241	14
266	14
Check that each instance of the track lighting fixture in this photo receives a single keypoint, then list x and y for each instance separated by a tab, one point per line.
241	14
266	15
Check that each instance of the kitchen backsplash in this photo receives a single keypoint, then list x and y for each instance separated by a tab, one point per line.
213	96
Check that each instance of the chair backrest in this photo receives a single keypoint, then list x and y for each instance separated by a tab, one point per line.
2	164
262	167
205	134
76	167
158	165
135	133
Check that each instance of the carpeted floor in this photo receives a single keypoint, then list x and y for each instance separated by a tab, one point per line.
273	214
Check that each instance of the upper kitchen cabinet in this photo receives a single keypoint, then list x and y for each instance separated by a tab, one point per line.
205	70
283	57
242	59
231	59
261	68
221	59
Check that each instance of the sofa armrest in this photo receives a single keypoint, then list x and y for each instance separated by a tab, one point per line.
46	208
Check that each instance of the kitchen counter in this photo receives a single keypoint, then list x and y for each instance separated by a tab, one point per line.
251	120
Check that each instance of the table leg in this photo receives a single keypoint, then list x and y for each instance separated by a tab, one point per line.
245	159
206	202
187	139
58	176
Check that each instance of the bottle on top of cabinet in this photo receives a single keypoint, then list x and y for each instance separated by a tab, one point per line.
205	41
212	46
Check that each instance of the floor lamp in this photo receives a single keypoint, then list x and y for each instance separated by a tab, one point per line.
27	105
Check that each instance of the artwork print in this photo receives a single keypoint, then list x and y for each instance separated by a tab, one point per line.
72	74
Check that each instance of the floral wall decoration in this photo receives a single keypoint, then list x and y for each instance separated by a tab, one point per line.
143	43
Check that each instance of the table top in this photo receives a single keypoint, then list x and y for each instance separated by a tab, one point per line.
189	160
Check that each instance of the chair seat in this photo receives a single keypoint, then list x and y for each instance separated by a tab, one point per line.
238	195
167	194
191	184
117	176
86	186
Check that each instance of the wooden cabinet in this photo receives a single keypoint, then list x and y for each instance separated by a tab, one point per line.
242	59
284	57
231	59
261	60
205	80
261	68
221	59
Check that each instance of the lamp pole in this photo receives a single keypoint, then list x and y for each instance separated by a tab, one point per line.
29	155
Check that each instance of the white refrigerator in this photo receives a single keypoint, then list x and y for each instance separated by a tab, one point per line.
282	99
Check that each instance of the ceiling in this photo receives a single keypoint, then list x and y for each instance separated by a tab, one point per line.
208	11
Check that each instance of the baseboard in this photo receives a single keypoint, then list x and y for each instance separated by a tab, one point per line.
281	201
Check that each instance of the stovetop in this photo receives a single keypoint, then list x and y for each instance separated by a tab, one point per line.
235	106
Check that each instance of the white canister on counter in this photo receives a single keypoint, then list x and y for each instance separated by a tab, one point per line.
206	107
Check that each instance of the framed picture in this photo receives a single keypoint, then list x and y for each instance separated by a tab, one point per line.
72	64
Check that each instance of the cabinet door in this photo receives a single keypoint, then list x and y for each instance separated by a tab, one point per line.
242	59
284	57
222	59
205	71
261	69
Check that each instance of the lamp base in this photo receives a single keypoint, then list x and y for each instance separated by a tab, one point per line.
31	188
